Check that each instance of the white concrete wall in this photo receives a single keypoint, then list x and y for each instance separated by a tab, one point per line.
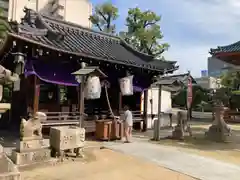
152	109
166	101
78	11
75	11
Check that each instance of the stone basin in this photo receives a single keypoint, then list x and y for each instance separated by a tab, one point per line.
8	170
4	107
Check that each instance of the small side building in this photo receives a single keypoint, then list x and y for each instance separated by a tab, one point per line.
150	98
209	82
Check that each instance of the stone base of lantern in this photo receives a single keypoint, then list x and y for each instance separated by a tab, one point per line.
178	133
218	133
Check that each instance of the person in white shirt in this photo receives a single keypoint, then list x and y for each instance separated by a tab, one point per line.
128	123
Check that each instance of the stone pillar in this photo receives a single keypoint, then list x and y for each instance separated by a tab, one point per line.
19	95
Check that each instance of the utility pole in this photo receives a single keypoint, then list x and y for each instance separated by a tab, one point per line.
189	101
189	95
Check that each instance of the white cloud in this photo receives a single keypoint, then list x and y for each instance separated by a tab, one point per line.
215	16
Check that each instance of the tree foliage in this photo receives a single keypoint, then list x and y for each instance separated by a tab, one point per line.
231	79
144	32
200	95
3	25
143	29
103	17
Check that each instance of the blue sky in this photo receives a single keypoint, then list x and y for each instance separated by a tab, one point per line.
191	27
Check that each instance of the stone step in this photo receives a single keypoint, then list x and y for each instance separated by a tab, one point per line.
28	167
31	157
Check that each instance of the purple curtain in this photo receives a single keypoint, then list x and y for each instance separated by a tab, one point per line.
56	73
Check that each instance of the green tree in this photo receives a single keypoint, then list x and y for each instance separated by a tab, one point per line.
4	26
144	32
231	79
199	95
103	17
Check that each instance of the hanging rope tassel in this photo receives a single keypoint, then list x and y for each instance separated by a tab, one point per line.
109	105
111	112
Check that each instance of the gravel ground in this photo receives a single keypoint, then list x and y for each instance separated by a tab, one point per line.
106	165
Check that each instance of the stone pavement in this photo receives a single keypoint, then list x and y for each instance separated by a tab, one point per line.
106	165
169	157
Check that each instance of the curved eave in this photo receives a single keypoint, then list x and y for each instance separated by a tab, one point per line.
16	36
224	55
232	48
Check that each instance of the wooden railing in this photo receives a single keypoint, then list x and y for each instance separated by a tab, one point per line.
72	118
61	118
137	115
67	118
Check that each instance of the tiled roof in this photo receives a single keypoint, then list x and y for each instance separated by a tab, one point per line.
74	39
235	47
183	78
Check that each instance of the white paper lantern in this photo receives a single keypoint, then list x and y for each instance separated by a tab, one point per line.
93	88
126	85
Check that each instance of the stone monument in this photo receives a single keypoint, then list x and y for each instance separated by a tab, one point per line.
67	138
32	148
178	132
8	170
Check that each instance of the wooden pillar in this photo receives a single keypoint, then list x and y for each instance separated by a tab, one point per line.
19	103
158	125
145	110
19	94
81	102
36	95
120	101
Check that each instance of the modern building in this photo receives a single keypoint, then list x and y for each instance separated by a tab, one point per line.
75	11
217	67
